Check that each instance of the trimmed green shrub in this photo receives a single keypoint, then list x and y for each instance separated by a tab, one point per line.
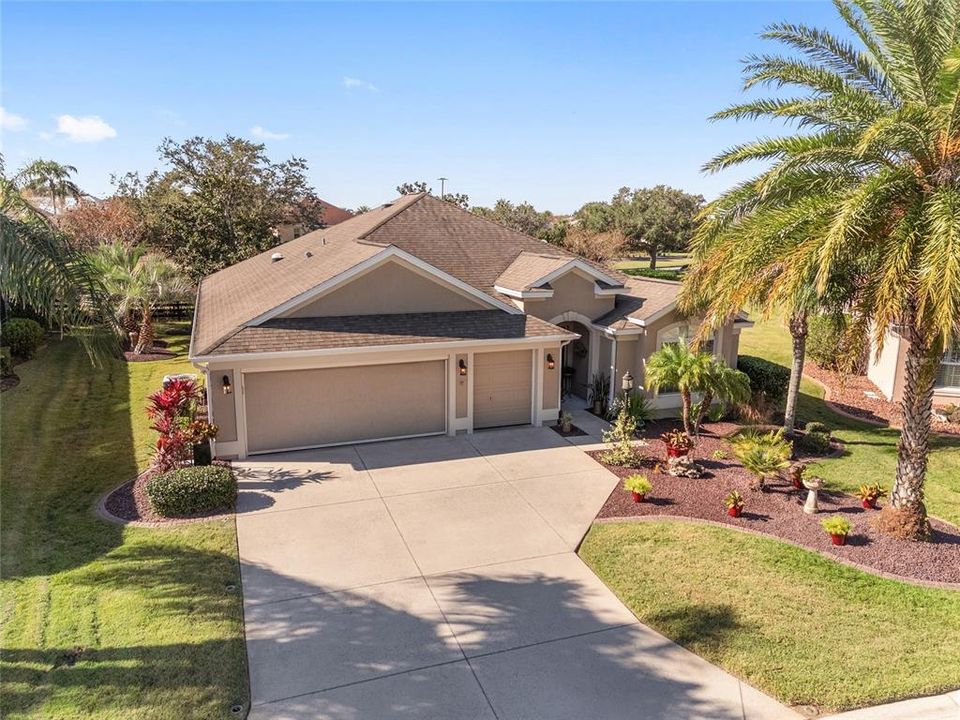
816	427
830	345
766	377
192	490
22	335
817	443
656	273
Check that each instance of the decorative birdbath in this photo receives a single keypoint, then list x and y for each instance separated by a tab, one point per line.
813	484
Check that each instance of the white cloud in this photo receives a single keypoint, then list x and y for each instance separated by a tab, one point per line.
87	129
261	132
11	122
351	83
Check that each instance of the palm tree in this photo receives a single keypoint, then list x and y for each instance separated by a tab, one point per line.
865	193
723	383
676	365
48	179
137	281
39	269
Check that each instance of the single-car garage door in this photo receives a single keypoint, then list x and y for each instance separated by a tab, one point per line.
305	408
502	384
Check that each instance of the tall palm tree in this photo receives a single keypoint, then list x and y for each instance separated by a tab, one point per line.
50	180
137	281
39	269
867	189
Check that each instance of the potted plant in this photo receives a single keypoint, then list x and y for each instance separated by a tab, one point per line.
678	443
869	493
734	503
638	485
599	392
566	422
838	528
200	433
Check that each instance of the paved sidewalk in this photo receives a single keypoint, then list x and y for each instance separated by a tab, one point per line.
937	707
437	578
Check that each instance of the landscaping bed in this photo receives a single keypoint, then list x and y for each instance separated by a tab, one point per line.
778	510
848	394
154	353
129	503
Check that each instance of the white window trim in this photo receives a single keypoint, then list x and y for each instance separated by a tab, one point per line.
950	358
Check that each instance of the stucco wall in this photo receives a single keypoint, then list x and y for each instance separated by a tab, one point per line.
551	380
391	288
883	370
223	407
571	292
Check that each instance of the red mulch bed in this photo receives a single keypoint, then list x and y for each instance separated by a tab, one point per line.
154	353
778	511
130	502
9	382
847	392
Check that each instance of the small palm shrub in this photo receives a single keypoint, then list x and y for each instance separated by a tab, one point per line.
22	335
192	490
635	404
620	436
763	454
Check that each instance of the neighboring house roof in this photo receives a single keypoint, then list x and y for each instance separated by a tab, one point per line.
333	215
645	300
321	333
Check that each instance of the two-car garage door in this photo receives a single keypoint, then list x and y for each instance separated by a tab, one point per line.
287	409
305	408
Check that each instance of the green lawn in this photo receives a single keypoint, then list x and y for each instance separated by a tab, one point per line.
664	262
795	624
871	451
101	621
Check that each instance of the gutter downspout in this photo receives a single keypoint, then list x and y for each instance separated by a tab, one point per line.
613	372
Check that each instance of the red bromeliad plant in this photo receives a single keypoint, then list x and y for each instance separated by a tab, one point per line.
172	409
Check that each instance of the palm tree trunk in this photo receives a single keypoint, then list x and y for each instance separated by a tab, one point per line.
798	337
702	412
685	404
145	341
906	516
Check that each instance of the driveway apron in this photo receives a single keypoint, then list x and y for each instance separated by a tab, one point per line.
437	578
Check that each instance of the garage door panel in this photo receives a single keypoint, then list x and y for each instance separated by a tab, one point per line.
303	408
502	385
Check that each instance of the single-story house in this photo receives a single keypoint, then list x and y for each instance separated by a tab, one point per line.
887	370
419	318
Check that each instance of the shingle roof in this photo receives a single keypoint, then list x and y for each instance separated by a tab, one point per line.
466	246
237	294
644	298
378	330
528	268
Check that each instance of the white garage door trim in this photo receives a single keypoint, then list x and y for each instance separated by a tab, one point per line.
373	367
530	415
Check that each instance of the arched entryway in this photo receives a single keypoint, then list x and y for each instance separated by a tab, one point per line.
576	361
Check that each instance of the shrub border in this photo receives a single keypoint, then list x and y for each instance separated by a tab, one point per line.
100	510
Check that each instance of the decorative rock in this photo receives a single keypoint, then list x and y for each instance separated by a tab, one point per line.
683	466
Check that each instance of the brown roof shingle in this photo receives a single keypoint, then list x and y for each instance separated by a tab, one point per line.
644	298
379	330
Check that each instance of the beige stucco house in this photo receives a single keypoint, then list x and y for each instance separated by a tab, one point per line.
886	370
418	318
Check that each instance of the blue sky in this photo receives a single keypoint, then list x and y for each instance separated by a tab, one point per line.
558	104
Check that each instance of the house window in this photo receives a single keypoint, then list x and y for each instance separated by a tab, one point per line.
949	375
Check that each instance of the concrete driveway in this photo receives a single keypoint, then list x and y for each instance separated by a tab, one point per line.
436	578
